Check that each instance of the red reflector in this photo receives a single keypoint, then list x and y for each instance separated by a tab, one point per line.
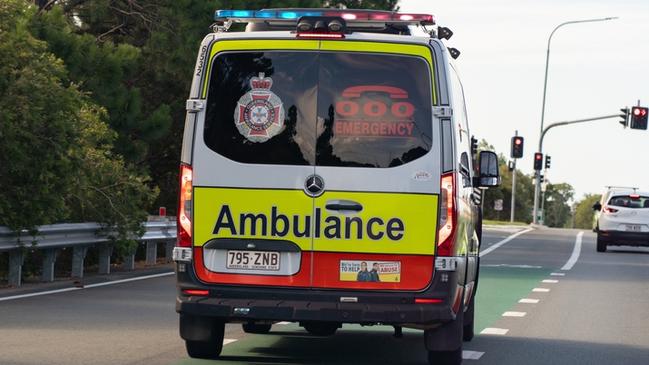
196	292
321	35
428	301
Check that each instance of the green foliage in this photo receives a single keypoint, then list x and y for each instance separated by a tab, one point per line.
557	208
584	213
56	149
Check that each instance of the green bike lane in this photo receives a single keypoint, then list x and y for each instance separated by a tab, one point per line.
507	274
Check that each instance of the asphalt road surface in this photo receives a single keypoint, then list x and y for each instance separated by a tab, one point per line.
538	303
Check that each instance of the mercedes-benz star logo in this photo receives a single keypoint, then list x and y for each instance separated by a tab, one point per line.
314	185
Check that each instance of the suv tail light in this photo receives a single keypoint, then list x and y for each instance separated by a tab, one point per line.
609	210
184	224
447	216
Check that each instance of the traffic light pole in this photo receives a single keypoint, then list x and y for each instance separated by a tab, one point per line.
537	185
511	214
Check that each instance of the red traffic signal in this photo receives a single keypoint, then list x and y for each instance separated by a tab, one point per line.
517	147
538	161
639	116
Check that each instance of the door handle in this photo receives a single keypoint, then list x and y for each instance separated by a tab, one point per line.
347	205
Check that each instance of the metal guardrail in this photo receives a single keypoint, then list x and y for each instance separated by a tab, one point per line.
80	237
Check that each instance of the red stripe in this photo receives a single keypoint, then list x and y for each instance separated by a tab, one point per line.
416	272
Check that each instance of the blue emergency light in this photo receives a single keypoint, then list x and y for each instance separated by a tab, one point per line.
350	15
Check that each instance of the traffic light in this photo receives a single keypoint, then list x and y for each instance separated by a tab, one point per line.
625	117
538	161
510	165
517	147
547	161
639	117
474	146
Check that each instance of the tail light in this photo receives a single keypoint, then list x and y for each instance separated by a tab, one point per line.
184	224
609	210
447	216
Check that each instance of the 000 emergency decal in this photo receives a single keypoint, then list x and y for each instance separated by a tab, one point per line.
383	226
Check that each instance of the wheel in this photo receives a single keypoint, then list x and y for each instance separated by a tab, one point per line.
210	349
601	245
321	328
256	328
467	329
445	357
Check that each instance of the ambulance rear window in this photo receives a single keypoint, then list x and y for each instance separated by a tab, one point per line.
325	108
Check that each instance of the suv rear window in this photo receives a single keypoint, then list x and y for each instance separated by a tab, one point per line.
324	108
629	201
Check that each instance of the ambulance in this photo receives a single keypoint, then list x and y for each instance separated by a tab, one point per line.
328	177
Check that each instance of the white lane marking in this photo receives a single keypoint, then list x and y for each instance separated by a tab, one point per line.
550	281
514	314
494	331
228	341
498	244
575	253
558	274
471	355
514	266
283	323
48	292
540	290
529	301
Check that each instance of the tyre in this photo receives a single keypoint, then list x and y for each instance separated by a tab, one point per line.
601	245
321	328
260	329
467	329
445	357
210	349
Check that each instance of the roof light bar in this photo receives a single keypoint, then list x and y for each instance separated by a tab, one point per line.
362	16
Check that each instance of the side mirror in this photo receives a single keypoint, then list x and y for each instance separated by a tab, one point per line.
488	175
597	206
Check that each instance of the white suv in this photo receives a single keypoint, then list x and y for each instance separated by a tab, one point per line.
623	219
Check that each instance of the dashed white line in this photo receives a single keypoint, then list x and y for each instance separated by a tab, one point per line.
575	253
228	341
514	314
550	281
494	331
540	290
498	244
558	274
471	355
529	301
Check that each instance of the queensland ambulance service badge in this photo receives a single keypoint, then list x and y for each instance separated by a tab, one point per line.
259	115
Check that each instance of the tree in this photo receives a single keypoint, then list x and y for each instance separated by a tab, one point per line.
584	213
56	149
557	211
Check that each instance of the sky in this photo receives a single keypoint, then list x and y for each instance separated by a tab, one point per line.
595	69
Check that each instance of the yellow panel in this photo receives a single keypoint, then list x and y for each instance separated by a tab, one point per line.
219	213
406	223
390	223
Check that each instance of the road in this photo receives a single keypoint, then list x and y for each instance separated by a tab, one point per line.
595	312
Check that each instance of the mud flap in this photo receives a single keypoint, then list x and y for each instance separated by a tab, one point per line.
447	337
196	328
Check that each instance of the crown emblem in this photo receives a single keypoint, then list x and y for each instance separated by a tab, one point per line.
261	82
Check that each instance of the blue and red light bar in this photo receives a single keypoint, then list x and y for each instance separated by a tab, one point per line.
349	15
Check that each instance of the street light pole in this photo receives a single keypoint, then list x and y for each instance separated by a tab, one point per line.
537	185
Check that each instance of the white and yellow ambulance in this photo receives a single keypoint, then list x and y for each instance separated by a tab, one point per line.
327	177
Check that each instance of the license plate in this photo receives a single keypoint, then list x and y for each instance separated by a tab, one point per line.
633	227
253	260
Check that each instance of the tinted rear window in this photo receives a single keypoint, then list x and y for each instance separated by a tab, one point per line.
627	201
330	109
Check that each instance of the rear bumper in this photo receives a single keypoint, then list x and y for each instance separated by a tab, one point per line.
245	303
622	238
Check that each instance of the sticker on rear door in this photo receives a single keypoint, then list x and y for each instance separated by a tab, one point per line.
370	271
259	115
